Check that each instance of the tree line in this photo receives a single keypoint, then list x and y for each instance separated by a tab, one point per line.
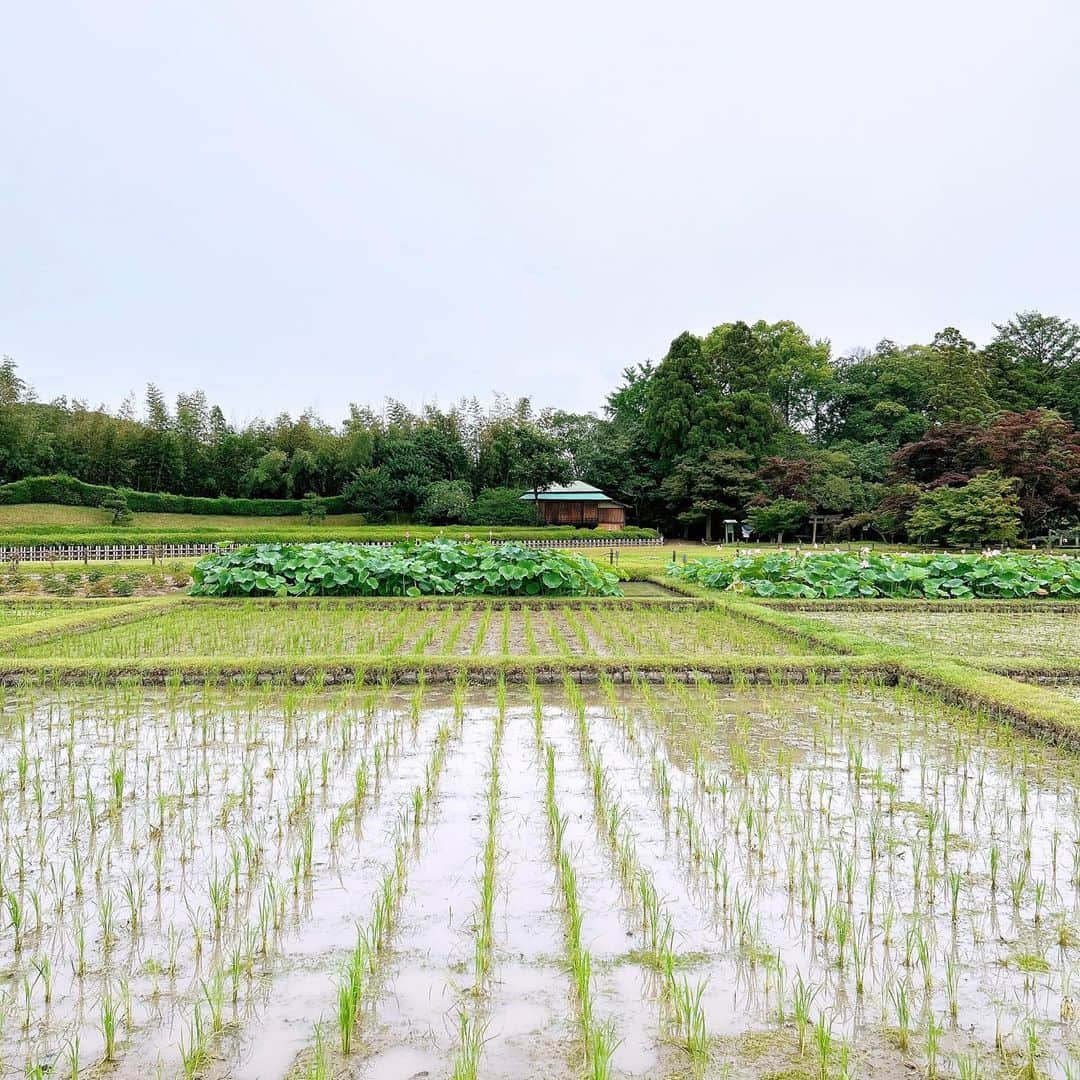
757	422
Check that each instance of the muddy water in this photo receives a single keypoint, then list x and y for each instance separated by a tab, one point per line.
528	1031
895	857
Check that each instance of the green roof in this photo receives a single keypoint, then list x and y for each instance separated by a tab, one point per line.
576	491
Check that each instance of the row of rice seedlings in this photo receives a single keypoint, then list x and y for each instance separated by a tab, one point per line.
471	1023
357	981
598	1038
448	646
483	625
586	645
658	932
647	630
252	629
206	1020
437	622
201	787
858	869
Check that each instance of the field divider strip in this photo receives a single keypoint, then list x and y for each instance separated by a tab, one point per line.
1054	606
433	669
499	602
1026	667
1028	707
805	630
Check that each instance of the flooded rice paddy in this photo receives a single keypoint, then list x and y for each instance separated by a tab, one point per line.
628	881
340	628
980	634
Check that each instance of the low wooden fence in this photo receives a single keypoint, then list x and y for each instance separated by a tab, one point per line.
157	552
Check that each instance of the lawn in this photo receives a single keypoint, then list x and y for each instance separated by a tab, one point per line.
32	515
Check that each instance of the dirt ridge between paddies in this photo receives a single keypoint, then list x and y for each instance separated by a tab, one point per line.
462	601
810	670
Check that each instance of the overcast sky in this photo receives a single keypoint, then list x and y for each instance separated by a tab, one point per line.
292	204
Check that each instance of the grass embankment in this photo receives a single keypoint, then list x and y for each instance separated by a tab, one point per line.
1030	708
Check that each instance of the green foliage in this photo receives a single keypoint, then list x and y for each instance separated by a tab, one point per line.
46	535
705	486
984	509
501	506
446	502
117	505
442	567
314	509
67	491
371	493
779	517
844	575
948	408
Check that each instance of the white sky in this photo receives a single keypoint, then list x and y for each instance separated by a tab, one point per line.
306	204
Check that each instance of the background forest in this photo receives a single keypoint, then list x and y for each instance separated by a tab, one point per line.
932	442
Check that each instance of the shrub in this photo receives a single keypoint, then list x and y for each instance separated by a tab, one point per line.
116	504
46	535
501	506
985	509
779	517
57	585
446	502
440	567
371	493
122	586
314	509
840	575
67	491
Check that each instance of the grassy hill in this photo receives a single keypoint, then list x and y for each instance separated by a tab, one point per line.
44	515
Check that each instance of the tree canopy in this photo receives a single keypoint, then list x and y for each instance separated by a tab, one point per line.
728	422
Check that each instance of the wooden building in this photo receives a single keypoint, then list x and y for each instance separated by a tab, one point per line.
577	504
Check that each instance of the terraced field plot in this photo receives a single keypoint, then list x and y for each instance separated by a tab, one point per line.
639	879
974	634
339	628
16	614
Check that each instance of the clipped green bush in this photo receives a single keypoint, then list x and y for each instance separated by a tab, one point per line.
67	491
437	567
843	575
501	506
47	535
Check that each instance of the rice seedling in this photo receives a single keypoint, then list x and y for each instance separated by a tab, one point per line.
690	1019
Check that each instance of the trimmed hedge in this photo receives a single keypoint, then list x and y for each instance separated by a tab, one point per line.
51	535
67	491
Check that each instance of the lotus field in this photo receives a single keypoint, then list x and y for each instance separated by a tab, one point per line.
439	810
843	574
